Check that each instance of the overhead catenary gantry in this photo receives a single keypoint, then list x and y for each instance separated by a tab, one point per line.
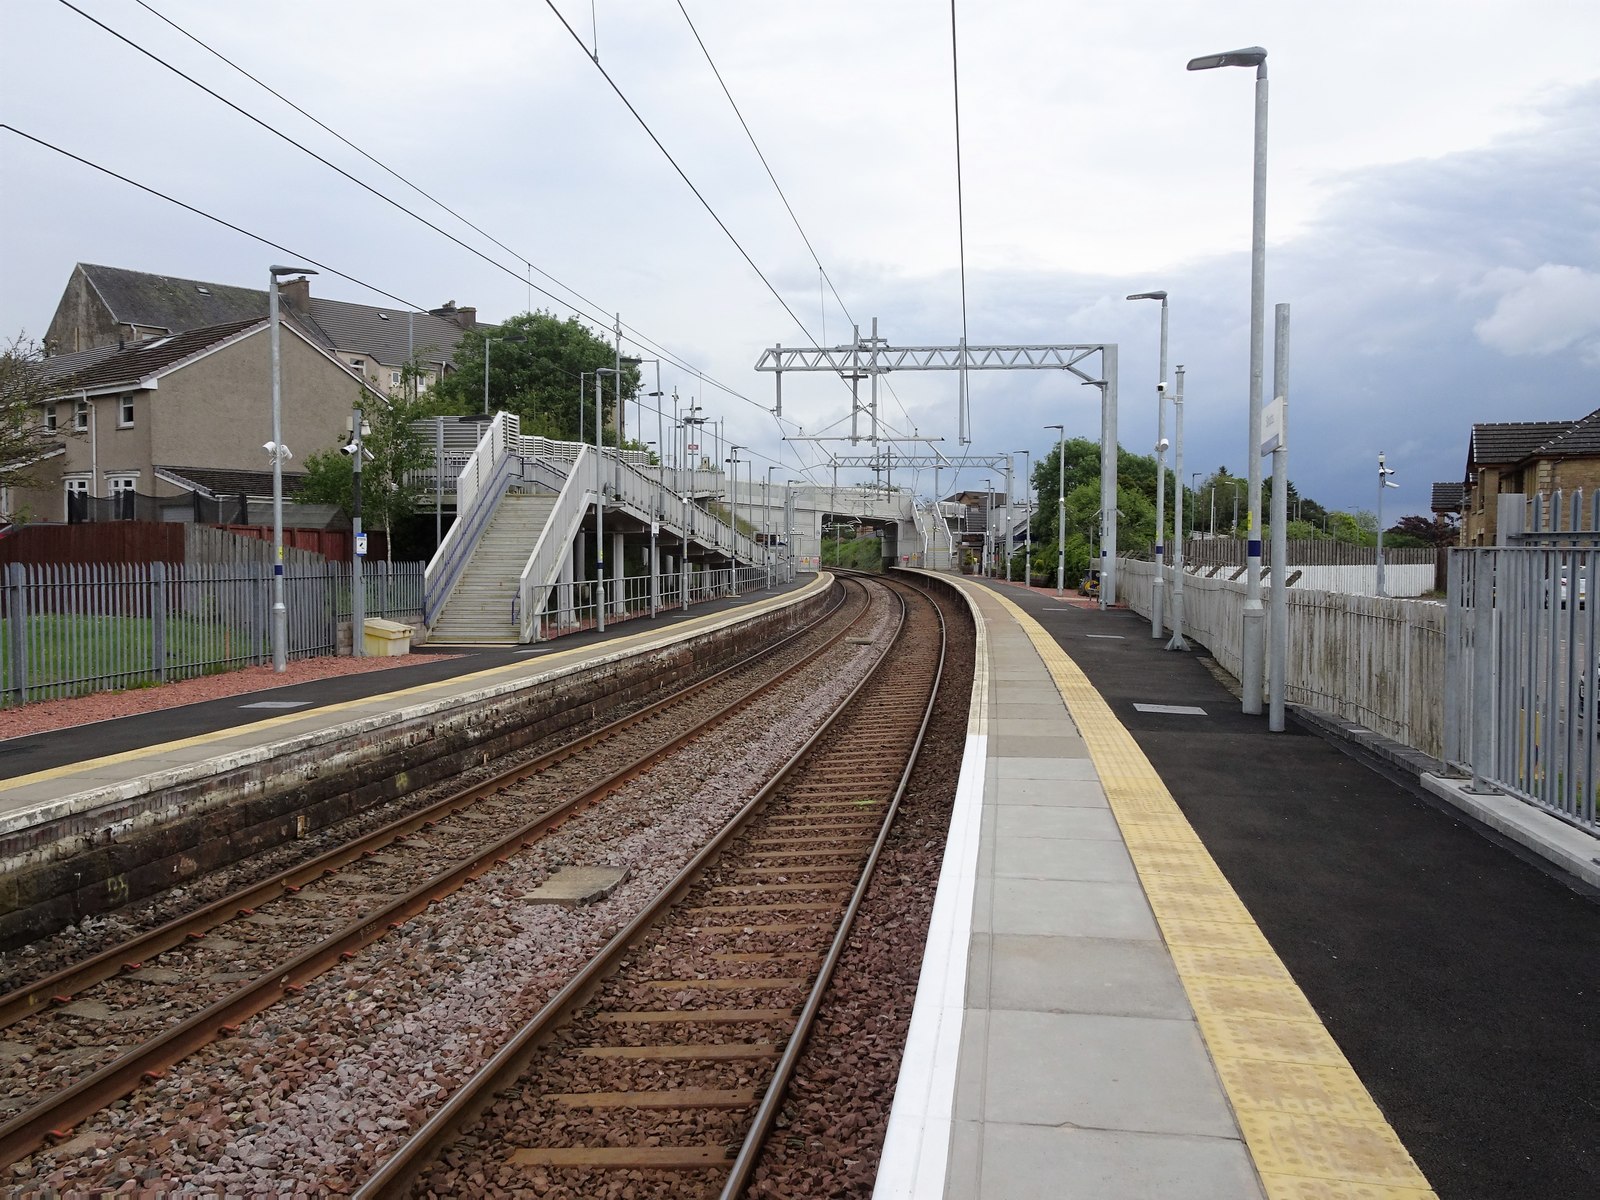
872	356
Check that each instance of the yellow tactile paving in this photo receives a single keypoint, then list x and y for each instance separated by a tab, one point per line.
1312	1128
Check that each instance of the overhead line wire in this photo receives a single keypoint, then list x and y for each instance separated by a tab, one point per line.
600	321
754	145
961	221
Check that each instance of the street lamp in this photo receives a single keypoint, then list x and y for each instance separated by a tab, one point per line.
600	492
766	523
1157	605
988	525
1061	509
279	452
1027	552
1194	486
1177	642
1251	671
690	421
487	342
1383	483
733	460
1108	505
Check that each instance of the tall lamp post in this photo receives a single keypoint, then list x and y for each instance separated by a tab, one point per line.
690	422
1252	668
1105	593
988	526
487	343
733	460
1383	484
279	452
1061	509
358	540
1027	538
1159	587
1177	642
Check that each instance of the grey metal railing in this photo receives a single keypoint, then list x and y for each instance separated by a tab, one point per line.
1521	665
75	628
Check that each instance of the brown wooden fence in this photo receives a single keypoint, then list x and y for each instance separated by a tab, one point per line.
173	542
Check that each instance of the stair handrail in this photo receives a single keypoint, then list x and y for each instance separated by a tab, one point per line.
545	561
486	477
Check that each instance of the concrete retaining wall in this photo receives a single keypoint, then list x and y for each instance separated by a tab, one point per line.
96	852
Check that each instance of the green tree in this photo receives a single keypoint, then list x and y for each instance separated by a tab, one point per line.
539	377
25	441
394	454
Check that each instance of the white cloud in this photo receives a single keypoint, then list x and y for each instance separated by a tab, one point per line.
1544	311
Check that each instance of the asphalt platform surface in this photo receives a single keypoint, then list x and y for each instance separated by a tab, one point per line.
64	747
1462	982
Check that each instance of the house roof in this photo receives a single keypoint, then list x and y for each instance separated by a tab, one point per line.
1511	441
174	304
217	481
108	366
385	333
1448	497
1579	438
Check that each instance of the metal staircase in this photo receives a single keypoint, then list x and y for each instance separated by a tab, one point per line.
482	607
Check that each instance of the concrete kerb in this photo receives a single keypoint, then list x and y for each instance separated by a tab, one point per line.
1569	848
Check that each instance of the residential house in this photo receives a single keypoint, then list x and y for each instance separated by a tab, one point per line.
112	306
188	413
1525	457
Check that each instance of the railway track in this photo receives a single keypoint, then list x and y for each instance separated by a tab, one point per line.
99	1029
665	1059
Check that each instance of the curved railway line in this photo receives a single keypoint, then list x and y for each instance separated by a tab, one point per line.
670	1051
257	1039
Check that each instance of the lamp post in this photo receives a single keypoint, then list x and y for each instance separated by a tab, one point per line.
1251	671
487	343
1383	484
279	452
1105	594
1177	642
1194	486
1027	539
989	524
766	524
1061	509
690	422
358	591
1159	587
733	460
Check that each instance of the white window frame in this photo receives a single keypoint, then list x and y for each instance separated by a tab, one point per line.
80	415
125	411
394	379
122	481
50	417
76	483
358	365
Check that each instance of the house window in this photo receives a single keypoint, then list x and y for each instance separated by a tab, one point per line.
358	365
125	412
80	416
121	483
394	378
78	485
50	418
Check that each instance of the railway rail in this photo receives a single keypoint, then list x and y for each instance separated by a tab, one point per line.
101	1009
668	1054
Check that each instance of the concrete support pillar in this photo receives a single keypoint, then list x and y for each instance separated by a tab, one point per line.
619	595
580	567
562	615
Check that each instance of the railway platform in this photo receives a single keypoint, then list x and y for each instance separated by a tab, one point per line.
1176	955
1172	954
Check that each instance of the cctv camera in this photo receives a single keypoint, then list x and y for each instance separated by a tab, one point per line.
348	448
1161	387
1162	445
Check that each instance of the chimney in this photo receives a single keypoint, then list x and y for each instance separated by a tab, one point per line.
296	295
464	318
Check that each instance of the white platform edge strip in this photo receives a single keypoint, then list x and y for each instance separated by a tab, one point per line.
916	1145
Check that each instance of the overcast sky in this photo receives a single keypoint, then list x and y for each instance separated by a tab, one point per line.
1433	196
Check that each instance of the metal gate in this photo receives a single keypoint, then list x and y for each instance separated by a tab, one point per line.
1521	675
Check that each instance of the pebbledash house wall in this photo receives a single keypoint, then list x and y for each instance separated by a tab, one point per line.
216	412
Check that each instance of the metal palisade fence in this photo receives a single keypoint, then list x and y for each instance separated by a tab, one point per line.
1521	666
74	628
